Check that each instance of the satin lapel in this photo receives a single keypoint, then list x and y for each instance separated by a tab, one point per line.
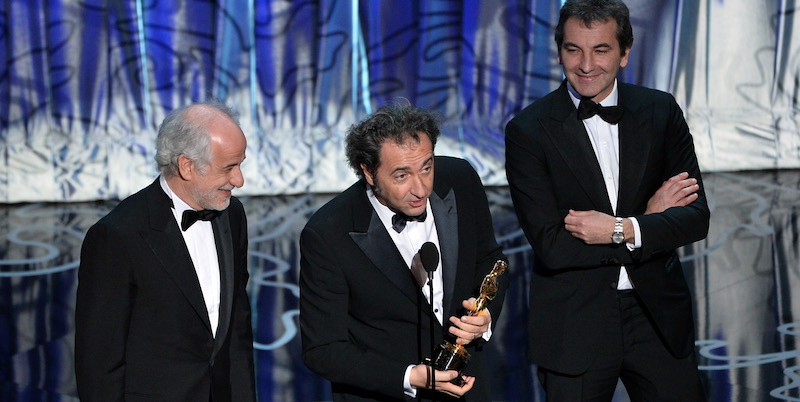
572	141
378	246
445	215
634	145
168	246
222	237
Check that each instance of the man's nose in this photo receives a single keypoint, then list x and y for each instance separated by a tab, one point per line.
237	179
419	187
587	63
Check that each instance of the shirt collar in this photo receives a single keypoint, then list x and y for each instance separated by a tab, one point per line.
384	213
177	203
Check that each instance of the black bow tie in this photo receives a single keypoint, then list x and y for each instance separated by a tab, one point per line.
191	216
611	114
399	220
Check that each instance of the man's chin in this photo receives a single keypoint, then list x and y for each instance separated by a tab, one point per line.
220	205
588	93
224	205
584	89
415	211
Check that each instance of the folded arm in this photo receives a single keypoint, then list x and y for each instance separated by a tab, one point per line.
595	227
539	203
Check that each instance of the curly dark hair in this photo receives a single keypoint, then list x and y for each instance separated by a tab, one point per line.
589	11
397	123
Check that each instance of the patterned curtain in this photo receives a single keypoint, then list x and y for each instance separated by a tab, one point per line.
85	83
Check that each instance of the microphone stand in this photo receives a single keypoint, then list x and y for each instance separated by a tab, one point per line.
433	344
429	257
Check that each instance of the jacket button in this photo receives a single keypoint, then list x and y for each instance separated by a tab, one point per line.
614	285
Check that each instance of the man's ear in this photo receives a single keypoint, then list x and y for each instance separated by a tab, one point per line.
367	175
624	60
186	167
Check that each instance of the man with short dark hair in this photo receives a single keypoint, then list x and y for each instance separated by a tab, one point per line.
606	186
162	310
365	321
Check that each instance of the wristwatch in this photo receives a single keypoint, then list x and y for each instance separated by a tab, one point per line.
618	236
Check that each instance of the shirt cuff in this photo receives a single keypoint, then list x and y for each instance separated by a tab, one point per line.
637	235
409	390
488	334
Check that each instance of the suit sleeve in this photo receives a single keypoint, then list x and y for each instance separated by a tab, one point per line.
532	176
327	349
241	352
677	226
532	182
103	309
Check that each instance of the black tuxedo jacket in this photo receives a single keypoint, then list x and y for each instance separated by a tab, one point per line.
552	168
363	318
141	327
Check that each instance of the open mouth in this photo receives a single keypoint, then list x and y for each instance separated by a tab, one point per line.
417	204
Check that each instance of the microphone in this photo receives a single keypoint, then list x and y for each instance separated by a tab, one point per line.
429	256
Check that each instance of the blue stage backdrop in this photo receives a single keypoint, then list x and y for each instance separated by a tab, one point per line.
84	83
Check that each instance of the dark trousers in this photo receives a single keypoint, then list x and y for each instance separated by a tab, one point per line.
635	354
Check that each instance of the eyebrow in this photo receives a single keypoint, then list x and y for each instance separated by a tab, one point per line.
401	169
599	45
234	164
408	168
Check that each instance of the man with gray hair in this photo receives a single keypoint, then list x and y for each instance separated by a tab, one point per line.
162	310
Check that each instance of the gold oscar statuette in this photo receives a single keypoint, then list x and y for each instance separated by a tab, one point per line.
452	356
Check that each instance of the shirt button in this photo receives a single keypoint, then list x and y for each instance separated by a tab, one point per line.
436	310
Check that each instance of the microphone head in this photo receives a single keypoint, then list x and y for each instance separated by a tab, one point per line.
429	255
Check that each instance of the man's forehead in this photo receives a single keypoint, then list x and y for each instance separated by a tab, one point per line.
600	29
404	140
402	154
591	23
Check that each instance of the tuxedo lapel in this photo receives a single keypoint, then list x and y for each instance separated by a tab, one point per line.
634	144
371	237
445	215
222	237
569	136
167	244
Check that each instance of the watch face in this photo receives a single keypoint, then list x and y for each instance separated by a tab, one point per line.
617	237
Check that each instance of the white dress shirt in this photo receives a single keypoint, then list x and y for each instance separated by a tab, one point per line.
408	243
605	142
199	239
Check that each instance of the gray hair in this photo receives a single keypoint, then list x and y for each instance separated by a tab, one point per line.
180	134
